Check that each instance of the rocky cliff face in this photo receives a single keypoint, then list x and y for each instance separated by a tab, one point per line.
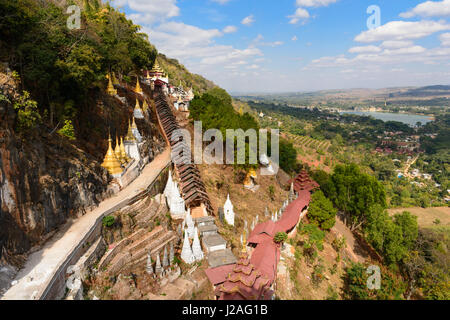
44	180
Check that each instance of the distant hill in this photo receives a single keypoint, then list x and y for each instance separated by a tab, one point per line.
428	91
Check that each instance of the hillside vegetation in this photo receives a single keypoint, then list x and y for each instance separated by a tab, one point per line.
179	74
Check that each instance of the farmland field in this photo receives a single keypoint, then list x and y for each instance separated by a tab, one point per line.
426	217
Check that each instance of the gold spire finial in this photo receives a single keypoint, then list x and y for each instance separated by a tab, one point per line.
133	124
114	79
110	90
138	86
122	151
137	106
145	106
244	243
130	136
110	162
118	152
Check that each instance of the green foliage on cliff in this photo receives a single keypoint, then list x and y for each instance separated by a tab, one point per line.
321	211
215	109
354	192
58	64
27	114
392	287
67	130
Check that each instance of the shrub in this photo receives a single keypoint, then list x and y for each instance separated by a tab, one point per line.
67	130
280	237
108	221
27	112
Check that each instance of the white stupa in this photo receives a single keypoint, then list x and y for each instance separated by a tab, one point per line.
228	211
190	224
186	252
138	114
196	248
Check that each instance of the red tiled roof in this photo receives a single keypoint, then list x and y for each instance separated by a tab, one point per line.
265	258
262	231
218	275
291	214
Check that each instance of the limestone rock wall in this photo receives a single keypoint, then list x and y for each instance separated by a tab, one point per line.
44	180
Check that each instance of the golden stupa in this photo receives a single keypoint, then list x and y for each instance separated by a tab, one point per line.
122	151
148	75
133	124
118	153
241	111
244	243
110	90
110	162
130	136
137	106
138	86
114	79
156	68
145	106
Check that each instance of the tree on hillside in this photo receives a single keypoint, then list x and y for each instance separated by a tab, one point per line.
321	211
392	237
354	193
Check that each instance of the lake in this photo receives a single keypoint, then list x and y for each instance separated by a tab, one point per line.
409	119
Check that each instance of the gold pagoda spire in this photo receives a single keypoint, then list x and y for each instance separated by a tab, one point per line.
137	106
114	79
133	124
148	75
122	151
138	86
118	152
110	90
145	106
244	243
130	136
156	67
110	162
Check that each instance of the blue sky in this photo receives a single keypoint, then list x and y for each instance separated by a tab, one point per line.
301	45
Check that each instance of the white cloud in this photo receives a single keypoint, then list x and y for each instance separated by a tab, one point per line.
445	39
253	67
294	38
248	21
364	49
429	9
393	44
314	3
229	29
300	14
402	30
258	42
150	12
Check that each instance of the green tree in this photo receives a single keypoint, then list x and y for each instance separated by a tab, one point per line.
354	193
321	211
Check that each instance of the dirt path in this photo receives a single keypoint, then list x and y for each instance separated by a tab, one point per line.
42	265
354	250
408	165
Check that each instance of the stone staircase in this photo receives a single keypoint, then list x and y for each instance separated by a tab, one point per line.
135	252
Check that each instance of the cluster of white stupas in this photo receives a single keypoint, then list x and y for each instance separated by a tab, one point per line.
191	254
160	268
174	200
